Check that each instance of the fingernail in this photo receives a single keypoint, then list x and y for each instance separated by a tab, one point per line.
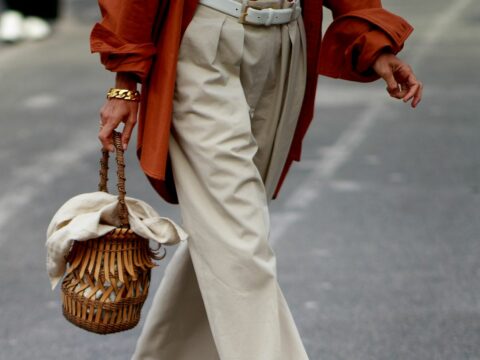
124	146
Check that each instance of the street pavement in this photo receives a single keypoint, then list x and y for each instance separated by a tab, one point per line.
376	230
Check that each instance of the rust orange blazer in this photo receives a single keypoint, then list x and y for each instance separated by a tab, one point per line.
143	37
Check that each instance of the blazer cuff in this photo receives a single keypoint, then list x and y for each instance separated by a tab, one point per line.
354	41
118	55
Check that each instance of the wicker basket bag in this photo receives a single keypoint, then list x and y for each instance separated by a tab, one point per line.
108	278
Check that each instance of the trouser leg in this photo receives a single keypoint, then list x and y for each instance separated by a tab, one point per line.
177	327
222	195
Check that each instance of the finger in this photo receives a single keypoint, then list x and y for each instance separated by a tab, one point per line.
418	96
105	136
102	116
411	85
404	76
395	89
128	129
392	84
397	93
412	90
403	90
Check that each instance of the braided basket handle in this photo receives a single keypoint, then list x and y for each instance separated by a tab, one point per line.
102	186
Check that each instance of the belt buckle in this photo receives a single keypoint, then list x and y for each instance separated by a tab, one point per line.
244	12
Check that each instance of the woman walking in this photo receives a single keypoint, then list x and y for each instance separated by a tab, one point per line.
227	94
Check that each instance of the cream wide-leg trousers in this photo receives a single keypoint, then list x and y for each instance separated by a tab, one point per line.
238	96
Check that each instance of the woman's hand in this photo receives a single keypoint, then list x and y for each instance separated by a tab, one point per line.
116	111
400	79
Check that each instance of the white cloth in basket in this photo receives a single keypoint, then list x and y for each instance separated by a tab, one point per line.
92	215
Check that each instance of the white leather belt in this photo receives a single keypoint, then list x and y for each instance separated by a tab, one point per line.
249	15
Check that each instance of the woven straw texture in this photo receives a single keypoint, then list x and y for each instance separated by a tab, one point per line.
107	282
108	277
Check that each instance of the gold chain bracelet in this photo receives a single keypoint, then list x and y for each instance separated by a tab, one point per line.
124	94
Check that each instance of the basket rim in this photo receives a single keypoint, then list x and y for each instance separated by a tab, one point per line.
100	328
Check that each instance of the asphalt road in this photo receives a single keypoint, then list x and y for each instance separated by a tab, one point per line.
376	231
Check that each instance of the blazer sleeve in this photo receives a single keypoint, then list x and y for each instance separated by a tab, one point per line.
124	37
360	32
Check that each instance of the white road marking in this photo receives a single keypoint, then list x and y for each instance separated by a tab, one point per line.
397	178
10	54
309	191
52	304
322	253
342	96
442	23
41	101
31	179
345	186
311	305
372	160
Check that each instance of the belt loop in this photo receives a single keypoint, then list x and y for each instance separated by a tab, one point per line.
295	10
293	6
269	20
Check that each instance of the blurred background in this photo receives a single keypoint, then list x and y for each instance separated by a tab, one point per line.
376	230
